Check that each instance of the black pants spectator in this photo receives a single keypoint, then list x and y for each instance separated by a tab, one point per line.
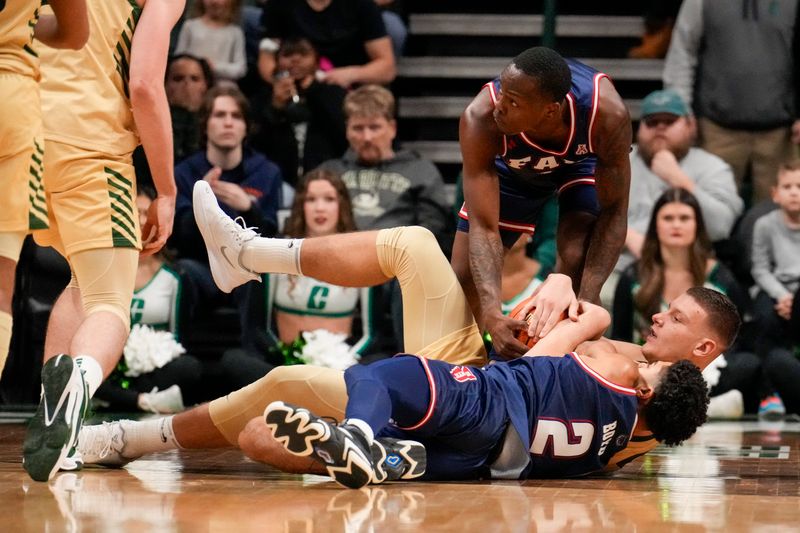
744	374
783	370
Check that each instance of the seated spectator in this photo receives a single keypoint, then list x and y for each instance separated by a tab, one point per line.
664	157
358	52
214	35
676	255
246	183
285	306
776	271
300	121
188	79
161	303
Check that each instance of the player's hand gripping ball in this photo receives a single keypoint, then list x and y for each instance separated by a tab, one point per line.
522	335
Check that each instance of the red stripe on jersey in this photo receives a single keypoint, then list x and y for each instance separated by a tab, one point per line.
432	405
601	379
492	94
588	180
595	101
505	224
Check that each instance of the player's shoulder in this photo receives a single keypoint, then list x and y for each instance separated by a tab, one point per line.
637	446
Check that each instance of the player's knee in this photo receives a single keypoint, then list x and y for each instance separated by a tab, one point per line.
108	305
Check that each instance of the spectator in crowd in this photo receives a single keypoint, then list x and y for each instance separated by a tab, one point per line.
737	60
161	303
299	120
659	18
388	188
776	270
284	306
215	35
664	157
187	81
348	34
676	255
245	182
392	15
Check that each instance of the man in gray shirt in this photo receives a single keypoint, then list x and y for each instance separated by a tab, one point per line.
664	157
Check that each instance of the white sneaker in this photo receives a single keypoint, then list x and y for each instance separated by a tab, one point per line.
167	401
103	444
224	239
729	405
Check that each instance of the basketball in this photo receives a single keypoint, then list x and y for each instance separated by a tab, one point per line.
522	335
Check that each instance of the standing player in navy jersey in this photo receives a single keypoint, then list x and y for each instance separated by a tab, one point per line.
531	417
547	126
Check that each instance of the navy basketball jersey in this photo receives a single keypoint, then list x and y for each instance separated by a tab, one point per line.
531	165
571	419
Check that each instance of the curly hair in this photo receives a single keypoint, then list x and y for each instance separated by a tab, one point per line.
679	404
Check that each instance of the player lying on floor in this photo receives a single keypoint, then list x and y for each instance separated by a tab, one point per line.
537	416
438	324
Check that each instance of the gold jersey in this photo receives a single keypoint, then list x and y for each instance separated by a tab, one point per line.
85	97
17	20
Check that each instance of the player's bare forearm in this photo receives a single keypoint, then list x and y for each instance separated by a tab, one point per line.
148	99
612	139
486	264
605	244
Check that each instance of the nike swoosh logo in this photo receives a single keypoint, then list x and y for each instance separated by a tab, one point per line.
223	250
48	420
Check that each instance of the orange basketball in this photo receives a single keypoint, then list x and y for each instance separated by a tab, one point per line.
522	335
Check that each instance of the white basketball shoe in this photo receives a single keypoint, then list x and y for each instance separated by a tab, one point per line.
224	239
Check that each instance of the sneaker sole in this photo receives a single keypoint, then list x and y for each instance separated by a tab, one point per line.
409	452
303	434
200	197
47	442
296	429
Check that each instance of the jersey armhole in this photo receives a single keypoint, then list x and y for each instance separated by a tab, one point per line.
595	104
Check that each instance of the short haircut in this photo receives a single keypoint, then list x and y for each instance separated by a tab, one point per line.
550	70
723	317
208	74
370	101
793	165
296	45
204	114
679	404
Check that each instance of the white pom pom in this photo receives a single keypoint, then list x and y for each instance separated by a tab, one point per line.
327	349
147	349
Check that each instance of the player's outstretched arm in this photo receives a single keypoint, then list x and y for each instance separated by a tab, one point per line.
149	52
480	142
612	140
567	335
67	27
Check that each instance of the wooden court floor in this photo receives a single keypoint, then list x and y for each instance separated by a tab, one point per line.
732	476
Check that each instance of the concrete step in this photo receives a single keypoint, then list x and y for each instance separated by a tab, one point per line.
490	67
445	107
436	151
523	25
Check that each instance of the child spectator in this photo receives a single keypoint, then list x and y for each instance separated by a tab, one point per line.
776	267
215	36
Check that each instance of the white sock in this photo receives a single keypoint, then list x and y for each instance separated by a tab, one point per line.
148	436
264	255
92	372
363	426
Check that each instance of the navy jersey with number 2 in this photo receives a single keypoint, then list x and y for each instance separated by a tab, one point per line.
568	419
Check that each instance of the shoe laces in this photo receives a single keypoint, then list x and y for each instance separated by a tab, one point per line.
103	440
241	232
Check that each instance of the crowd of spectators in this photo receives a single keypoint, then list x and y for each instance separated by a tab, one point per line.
286	111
